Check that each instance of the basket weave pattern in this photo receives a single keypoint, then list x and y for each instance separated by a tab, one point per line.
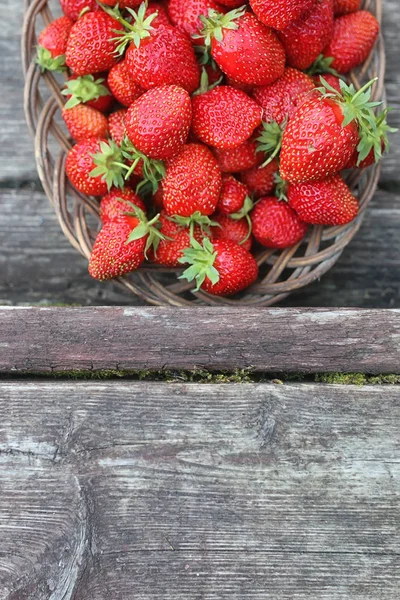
281	272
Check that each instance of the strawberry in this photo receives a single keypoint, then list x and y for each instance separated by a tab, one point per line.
94	165
260	181
280	99
158	122
275	224
84	122
112	254
221	268
331	79
185	14
122	85
231	3
162	18
116	125
233	195
321	137
378	136
177	238
238	159
235	230
118	202
74	8
88	90
192	182
224	117
328	202
343	7
354	37
244	49
280	13
91	45
53	45
306	38
158	56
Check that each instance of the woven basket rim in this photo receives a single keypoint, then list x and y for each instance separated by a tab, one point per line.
283	272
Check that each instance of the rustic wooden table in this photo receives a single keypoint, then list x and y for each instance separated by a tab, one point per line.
124	489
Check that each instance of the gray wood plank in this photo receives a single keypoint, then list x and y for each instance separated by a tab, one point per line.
38	265
193	491
270	340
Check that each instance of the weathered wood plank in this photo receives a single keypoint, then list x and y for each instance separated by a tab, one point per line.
190	491
269	340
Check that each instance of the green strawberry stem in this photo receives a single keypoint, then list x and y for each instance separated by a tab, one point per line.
244	213
205	85
196	218
153	170
146	228
322	65
270	140
84	89
202	259
136	31
110	165
357	106
216	22
281	187
47	62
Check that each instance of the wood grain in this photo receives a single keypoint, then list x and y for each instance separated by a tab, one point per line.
150	491
268	340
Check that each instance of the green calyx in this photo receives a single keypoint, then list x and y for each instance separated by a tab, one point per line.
196	218
146	228
47	62
84	89
281	187
215	23
201	259
205	85
357	107
322	65
376	138
109	164
153	170
270	140
136	30
244	213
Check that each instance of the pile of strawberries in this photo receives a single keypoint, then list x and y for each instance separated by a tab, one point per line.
209	128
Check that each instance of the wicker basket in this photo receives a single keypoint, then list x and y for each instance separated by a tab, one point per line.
281	272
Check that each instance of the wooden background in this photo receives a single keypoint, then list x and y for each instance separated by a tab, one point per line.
128	490
37	265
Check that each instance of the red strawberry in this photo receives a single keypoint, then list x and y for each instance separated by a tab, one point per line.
158	56
90	47
116	125
122	3
74	8
260	181
158	122
112	255
328	202
281	99
53	45
177	238
224	117
84	122
231	3
238	231
93	166
238	159
233	195
280	13
192	182
343	7
221	268
244	48
276	225
118	202
322	135
306	38
88	90
354	37
185	14
122	84
159	9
